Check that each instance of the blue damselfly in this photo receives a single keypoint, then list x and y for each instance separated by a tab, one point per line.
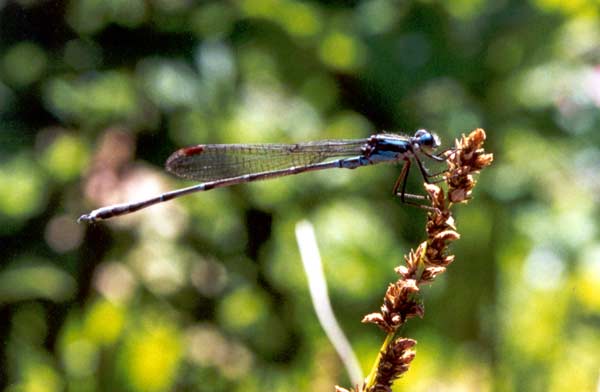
221	165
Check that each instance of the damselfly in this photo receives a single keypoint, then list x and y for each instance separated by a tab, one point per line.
221	165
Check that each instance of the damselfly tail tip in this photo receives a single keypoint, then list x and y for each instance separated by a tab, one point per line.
87	218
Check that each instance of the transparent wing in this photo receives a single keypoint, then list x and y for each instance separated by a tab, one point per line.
209	162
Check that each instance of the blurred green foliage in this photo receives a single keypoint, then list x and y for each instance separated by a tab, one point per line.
207	293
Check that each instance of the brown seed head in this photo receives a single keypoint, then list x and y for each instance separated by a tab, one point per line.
429	260
394	362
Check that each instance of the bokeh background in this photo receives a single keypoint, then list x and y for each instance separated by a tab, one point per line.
207	293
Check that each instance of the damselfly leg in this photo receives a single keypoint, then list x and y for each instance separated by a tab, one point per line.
401	182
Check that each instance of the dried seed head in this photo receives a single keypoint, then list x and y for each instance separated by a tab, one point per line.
394	362
430	273
430	259
468	157
399	304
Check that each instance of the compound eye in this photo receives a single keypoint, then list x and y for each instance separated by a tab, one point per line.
421	132
427	139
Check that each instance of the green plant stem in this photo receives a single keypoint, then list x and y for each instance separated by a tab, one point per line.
370	380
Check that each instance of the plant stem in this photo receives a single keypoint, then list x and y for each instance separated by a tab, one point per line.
370	380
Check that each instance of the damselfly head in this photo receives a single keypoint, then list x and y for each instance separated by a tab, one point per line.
426	140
